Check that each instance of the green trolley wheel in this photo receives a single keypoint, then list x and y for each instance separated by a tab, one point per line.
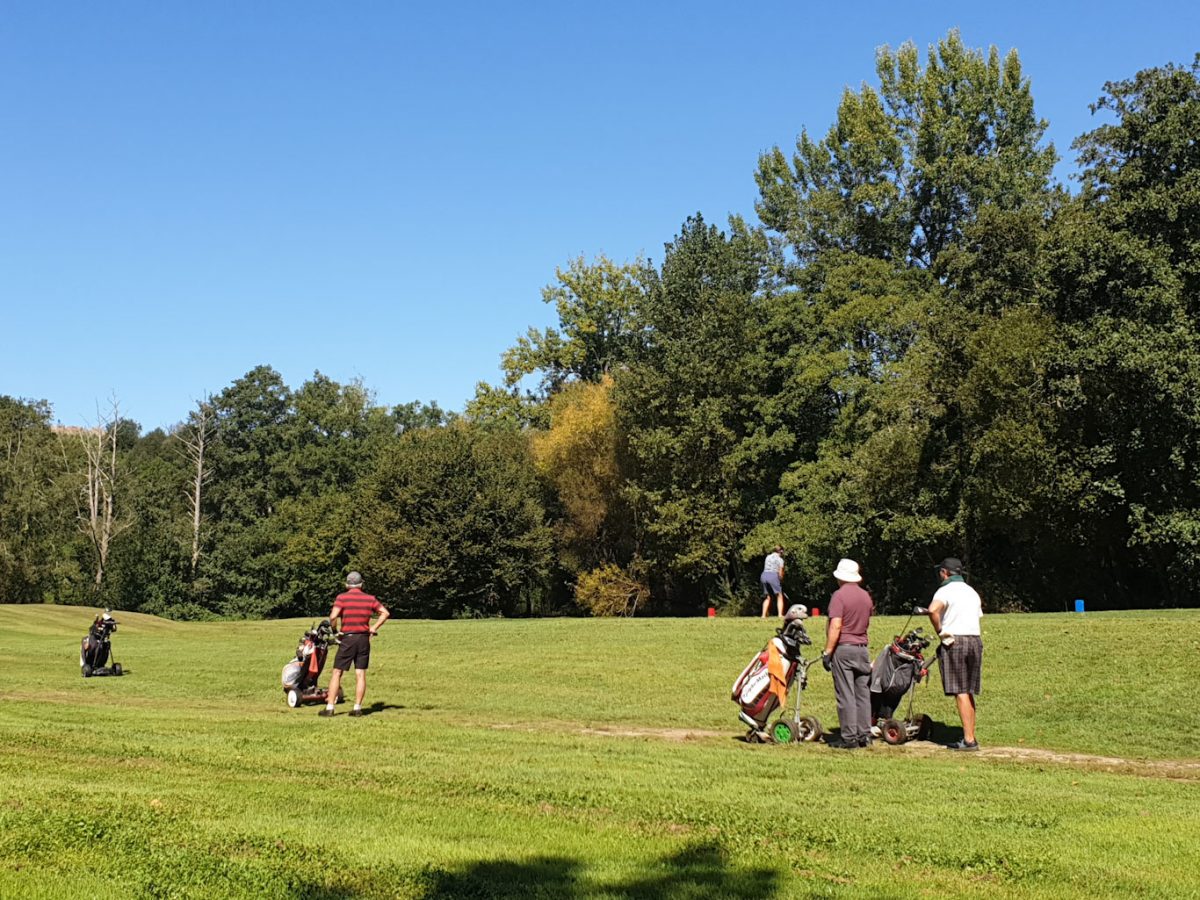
783	731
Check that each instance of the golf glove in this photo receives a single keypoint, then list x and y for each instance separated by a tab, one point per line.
827	661
920	611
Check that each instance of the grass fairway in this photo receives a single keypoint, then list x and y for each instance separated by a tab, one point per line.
586	758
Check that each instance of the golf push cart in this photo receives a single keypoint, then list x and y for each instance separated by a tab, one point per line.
898	669
96	647
300	675
781	662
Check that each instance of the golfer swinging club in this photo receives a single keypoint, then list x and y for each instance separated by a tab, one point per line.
355	609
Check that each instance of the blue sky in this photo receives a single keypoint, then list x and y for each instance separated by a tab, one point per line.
380	190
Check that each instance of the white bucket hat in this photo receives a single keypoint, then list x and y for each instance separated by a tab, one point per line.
847	570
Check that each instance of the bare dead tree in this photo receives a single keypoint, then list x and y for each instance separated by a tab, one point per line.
195	438
98	515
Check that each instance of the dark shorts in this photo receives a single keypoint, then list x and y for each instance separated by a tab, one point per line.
770	584
356	649
962	665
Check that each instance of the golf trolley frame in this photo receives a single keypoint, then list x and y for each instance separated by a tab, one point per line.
95	650
752	694
310	659
898	731
790	726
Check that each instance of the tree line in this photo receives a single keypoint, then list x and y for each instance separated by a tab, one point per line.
924	345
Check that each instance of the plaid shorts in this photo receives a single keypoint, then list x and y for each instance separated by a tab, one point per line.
962	665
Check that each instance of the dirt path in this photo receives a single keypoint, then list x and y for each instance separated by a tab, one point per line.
663	734
1179	769
1185	769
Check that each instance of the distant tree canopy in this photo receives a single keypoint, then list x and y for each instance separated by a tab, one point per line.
452	521
923	347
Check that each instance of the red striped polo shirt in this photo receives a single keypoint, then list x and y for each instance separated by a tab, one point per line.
357	609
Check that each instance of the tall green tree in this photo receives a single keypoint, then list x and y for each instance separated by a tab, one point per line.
1126	267
686	407
149	569
332	440
598	306
284	464
37	525
599	329
452	522
908	166
241	575
907	246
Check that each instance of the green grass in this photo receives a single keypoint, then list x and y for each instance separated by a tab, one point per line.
542	759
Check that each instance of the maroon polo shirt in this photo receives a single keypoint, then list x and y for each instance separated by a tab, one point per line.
854	607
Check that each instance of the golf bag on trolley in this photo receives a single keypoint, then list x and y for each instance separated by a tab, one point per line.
764	684
300	676
897	671
96	647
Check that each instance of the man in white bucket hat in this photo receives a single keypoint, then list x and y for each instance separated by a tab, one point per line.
846	657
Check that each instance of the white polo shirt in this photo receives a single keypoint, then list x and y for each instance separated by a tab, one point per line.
963	609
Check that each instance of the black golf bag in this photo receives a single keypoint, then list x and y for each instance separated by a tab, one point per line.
96	647
898	669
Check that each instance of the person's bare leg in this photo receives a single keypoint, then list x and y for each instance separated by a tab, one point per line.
360	685
335	682
779	602
966	712
766	605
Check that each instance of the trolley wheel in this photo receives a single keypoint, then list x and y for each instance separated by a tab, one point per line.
293	698
784	731
893	732
810	729
924	726
87	670
117	670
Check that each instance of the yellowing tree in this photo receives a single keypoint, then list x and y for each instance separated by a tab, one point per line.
611	591
579	456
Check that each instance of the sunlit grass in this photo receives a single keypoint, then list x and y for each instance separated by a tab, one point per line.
545	758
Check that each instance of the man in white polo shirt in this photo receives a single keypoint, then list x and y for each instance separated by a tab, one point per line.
955	612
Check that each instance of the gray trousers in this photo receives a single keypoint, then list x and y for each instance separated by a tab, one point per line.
851	685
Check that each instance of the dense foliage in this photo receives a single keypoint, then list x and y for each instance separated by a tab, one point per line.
923	347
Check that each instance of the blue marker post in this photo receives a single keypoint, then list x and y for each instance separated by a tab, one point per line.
1078	606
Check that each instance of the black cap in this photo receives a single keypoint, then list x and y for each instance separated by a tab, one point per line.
951	565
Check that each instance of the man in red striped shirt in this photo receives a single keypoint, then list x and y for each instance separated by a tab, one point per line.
355	609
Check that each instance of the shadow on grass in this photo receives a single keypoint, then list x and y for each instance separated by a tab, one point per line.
344	708
378	706
944	733
698	872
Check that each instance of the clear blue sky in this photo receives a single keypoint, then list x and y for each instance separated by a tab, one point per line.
380	190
